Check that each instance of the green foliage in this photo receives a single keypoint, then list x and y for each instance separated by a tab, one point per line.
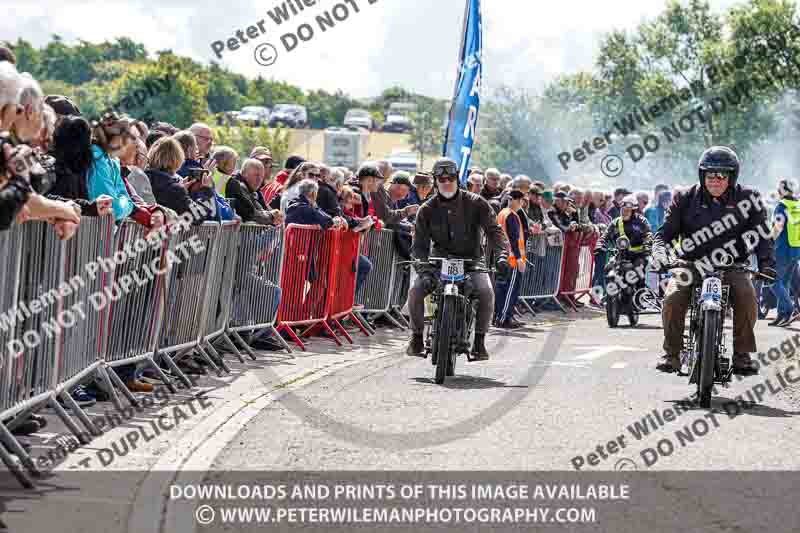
97	76
243	139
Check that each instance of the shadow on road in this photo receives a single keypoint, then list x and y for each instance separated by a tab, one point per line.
471	382
730	408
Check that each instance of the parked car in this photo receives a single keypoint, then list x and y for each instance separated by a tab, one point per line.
254	115
359	118
291	115
404	160
396	122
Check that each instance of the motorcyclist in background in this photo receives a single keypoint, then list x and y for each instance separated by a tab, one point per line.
718	202
451	223
632	225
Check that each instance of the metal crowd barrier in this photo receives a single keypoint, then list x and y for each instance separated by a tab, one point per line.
578	266
306	279
402	283
342	295
377	293
56	338
256	290
135	320
220	292
545	253
188	297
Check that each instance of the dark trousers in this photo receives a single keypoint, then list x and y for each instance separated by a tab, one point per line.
364	267
506	296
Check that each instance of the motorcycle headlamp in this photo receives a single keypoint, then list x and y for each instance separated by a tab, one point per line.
623	243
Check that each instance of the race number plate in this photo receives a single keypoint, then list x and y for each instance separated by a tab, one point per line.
711	293
452	269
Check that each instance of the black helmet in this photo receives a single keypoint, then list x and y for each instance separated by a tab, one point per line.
444	166
719	158
369	169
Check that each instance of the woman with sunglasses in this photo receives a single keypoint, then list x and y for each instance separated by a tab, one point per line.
711	219
307	170
453	222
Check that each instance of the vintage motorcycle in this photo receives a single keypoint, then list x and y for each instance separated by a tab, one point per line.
621	270
451	330
703	357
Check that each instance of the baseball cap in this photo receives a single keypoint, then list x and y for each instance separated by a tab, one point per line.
560	195
621	190
422	178
535	189
547	196
260	152
401	178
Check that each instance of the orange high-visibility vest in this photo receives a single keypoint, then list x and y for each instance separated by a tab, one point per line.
501	220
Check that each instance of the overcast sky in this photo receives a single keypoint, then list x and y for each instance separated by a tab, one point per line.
413	43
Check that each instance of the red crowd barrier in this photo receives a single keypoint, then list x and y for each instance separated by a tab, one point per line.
343	295
317	281
577	265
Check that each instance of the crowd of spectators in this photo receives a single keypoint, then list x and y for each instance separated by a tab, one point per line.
59	165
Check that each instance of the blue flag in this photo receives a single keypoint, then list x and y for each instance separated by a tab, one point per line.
460	135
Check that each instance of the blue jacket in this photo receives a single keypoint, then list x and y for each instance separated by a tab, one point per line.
300	211
655	216
104	177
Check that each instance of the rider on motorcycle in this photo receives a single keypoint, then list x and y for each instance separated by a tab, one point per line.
450	224
632	225
717	203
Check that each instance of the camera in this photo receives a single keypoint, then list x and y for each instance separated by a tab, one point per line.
41	168
197	173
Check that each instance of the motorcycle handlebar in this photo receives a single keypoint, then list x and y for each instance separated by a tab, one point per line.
731	268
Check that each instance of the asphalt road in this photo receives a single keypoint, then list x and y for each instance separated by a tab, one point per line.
549	394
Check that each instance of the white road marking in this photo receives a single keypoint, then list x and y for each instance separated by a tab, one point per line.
574	364
601	351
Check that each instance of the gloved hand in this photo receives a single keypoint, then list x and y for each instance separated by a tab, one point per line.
768	271
503	268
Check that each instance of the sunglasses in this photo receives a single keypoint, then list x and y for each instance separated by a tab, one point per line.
446	179
445	171
719	176
313	174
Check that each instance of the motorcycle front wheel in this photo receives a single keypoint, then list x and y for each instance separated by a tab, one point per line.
444	336
612	311
708	357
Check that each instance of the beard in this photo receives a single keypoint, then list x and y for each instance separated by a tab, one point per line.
448	195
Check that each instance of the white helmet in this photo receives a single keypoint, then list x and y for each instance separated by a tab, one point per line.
630	201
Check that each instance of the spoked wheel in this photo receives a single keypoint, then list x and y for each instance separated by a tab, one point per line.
708	358
612	311
444	336
633	318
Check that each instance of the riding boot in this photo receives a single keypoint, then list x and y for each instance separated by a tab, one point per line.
743	365
416	348
479	352
669	363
